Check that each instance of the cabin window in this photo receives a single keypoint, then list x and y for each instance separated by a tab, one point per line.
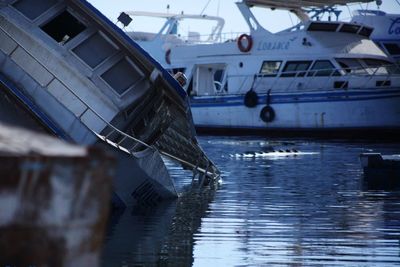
380	67
349	28
94	50
189	89
270	68
33	10
392	48
365	31
324	27
295	68
341	84
63	27
323	68
121	76
351	66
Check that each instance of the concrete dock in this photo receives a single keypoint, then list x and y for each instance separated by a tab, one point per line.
54	200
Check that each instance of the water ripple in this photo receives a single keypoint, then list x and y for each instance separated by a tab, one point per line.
304	210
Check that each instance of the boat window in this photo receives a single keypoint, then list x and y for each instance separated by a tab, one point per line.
295	68
325	27
380	67
270	68
392	48
189	89
365	31
349	28
351	66
32	11
94	50
63	27
121	76
194	30
323	68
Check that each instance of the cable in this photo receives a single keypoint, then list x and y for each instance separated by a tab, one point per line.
201	13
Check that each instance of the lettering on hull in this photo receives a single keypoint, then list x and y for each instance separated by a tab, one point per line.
395	27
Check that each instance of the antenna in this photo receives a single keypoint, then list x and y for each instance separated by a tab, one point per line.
201	13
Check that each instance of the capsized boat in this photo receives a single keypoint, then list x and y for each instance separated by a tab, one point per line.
319	77
85	81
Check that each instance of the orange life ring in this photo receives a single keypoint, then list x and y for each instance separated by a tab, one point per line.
245	43
168	56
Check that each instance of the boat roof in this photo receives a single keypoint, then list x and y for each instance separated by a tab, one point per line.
172	15
297	4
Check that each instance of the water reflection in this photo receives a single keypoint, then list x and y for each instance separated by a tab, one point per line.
162	236
302	210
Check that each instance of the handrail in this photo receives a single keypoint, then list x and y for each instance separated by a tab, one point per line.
308	76
107	124
205	38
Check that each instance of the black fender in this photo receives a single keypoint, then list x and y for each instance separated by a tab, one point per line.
267	114
251	99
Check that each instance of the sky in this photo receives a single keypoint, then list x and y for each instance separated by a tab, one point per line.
272	20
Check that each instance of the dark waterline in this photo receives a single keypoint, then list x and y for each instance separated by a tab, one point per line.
305	210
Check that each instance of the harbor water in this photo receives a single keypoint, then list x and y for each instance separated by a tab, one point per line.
309	208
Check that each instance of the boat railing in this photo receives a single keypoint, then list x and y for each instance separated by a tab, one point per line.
106	124
194	38
313	80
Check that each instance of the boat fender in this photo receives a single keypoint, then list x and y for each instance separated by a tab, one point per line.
251	99
168	56
267	114
245	43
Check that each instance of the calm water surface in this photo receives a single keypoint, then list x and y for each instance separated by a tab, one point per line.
307	210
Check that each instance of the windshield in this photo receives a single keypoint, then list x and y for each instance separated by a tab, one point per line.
367	66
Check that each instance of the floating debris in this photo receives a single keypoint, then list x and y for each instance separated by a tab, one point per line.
273	153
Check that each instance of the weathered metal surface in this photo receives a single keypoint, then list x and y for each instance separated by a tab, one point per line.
54	200
84	80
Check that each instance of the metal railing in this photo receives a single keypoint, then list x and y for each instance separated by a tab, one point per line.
203	38
285	81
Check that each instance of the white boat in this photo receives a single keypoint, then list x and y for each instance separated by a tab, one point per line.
315	78
85	81
386	29
386	26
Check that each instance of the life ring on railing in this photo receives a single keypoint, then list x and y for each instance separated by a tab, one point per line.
168	56
245	42
267	114
251	99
